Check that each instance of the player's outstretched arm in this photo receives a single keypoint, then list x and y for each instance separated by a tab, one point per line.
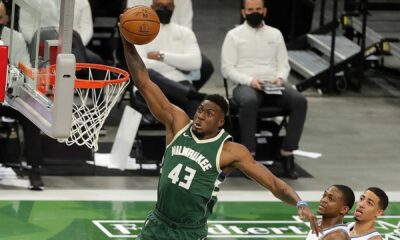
170	115
237	156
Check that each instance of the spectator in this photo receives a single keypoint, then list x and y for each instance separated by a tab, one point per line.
19	52
254	54
183	15
50	10
172	58
31	134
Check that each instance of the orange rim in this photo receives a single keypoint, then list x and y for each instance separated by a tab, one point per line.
48	74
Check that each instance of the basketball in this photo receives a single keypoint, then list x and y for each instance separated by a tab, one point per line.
139	25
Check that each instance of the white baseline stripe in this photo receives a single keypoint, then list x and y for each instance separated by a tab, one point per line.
151	195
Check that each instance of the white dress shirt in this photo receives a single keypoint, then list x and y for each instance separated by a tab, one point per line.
182	15
180	48
249	53
50	17
18	52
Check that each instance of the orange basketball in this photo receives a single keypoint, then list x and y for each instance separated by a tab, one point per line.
140	25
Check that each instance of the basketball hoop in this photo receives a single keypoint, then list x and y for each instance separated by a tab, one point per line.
93	98
93	102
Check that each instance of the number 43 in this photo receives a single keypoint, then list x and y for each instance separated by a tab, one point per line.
187	179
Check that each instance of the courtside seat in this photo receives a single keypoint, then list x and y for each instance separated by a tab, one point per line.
271	122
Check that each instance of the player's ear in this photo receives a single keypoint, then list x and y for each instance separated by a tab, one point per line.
221	122
243	13
379	213
265	10
344	210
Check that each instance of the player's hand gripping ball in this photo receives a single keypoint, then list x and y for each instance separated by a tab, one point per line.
139	25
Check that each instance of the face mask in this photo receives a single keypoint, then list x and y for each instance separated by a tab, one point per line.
254	19
164	14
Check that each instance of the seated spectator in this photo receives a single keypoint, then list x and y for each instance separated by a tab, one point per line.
19	51
254	54
31	134
50	10
171	58
183	15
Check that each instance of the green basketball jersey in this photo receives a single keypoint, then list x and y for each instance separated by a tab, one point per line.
190	176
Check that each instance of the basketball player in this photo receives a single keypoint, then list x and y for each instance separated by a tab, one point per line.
373	202
333	206
197	158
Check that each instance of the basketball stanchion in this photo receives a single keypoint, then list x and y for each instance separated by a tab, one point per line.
3	71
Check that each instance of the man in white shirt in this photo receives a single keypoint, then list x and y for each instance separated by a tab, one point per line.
335	203
254	54
183	15
50	17
372	204
172	58
19	51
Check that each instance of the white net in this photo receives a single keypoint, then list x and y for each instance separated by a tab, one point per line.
91	108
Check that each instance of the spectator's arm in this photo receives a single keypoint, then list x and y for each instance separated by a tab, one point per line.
283	67
151	63
84	22
183	13
27	25
190	59
20	50
228	62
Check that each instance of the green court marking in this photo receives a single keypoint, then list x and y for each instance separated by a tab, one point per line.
52	220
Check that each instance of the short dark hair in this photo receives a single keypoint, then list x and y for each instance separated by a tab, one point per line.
383	198
220	101
348	194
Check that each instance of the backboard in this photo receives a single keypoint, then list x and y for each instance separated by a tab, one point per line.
45	97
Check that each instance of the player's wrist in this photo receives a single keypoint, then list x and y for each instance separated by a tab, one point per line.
161	56
301	203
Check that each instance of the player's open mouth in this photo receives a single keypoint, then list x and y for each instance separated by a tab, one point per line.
197	125
358	212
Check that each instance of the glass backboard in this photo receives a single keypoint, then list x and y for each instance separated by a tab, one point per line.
44	38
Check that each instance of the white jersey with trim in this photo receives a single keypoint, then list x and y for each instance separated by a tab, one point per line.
365	236
338	227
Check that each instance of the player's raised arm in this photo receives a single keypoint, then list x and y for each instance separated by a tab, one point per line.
237	156
159	105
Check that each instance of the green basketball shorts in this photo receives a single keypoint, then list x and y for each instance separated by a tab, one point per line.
157	227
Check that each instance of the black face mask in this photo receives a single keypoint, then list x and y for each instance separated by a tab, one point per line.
165	14
254	19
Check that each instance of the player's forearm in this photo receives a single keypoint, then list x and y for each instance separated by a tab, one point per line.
136	66
285	193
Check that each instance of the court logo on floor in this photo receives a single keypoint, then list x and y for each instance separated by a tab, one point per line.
389	226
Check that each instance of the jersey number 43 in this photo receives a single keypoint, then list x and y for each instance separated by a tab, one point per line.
187	179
